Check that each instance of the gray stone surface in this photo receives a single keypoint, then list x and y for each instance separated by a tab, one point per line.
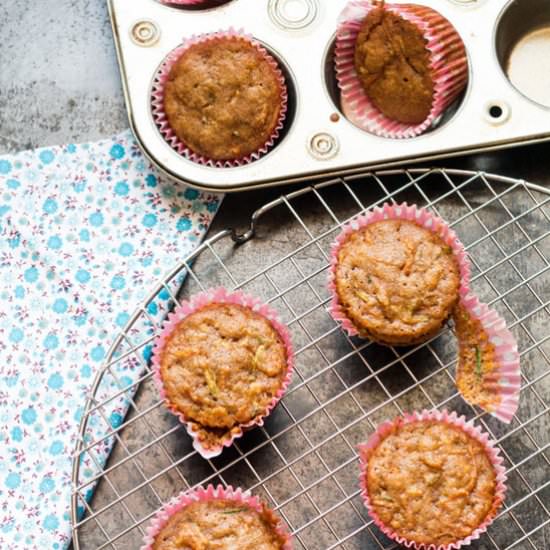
59	82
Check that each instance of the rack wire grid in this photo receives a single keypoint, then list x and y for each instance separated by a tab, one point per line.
304	462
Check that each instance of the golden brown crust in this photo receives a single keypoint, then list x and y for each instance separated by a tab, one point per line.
220	525
393	65
431	483
222	366
223	98
476	361
396	281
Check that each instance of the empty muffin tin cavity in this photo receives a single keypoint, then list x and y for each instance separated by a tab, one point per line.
522	44
291	108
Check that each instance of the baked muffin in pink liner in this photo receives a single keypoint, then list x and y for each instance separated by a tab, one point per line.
226	93
367	278
182	2
222	512
397	274
222	363
448	64
431	480
488	371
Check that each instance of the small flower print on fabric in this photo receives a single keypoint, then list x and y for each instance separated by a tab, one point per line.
85	232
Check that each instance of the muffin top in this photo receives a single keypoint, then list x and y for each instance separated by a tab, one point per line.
223	98
397	281
220	525
223	365
393	65
430	482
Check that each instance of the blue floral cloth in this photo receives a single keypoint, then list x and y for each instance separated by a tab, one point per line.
85	232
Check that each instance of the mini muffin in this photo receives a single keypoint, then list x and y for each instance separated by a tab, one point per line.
220	524
221	368
393	65
430	482
223	97
221	518
396	281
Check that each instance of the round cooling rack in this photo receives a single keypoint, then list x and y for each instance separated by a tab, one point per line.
304	462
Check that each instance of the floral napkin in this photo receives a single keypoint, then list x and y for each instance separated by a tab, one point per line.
85	232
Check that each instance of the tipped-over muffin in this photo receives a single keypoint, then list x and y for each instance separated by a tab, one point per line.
393	65
396	281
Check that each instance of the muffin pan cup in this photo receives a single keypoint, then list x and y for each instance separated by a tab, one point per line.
317	140
505	379
210	493
197	302
366	450
449	79
157	102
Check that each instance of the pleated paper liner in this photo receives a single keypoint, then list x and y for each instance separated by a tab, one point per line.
488	371
206	448
501	379
238	496
493	453
448	62
160	117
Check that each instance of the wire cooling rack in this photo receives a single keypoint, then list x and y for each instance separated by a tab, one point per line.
303	462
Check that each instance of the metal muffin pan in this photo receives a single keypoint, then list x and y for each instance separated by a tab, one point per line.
318	141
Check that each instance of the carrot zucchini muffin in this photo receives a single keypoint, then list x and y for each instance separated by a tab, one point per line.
477	363
221	367
396	281
393	65
223	96
220	525
431	483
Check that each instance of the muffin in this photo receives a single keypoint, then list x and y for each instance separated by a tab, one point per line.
431	479
216	518
398	66
224	97
393	65
488	371
222	366
476	361
396	281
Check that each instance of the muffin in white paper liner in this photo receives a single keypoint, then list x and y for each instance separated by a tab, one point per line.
194	304
504	379
492	451
159	114
211	493
448	63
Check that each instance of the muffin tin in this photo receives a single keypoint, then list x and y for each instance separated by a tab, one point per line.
318	140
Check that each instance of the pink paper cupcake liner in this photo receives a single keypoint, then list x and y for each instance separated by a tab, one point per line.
240	497
195	303
450	75
161	120
366	450
505	379
182	2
